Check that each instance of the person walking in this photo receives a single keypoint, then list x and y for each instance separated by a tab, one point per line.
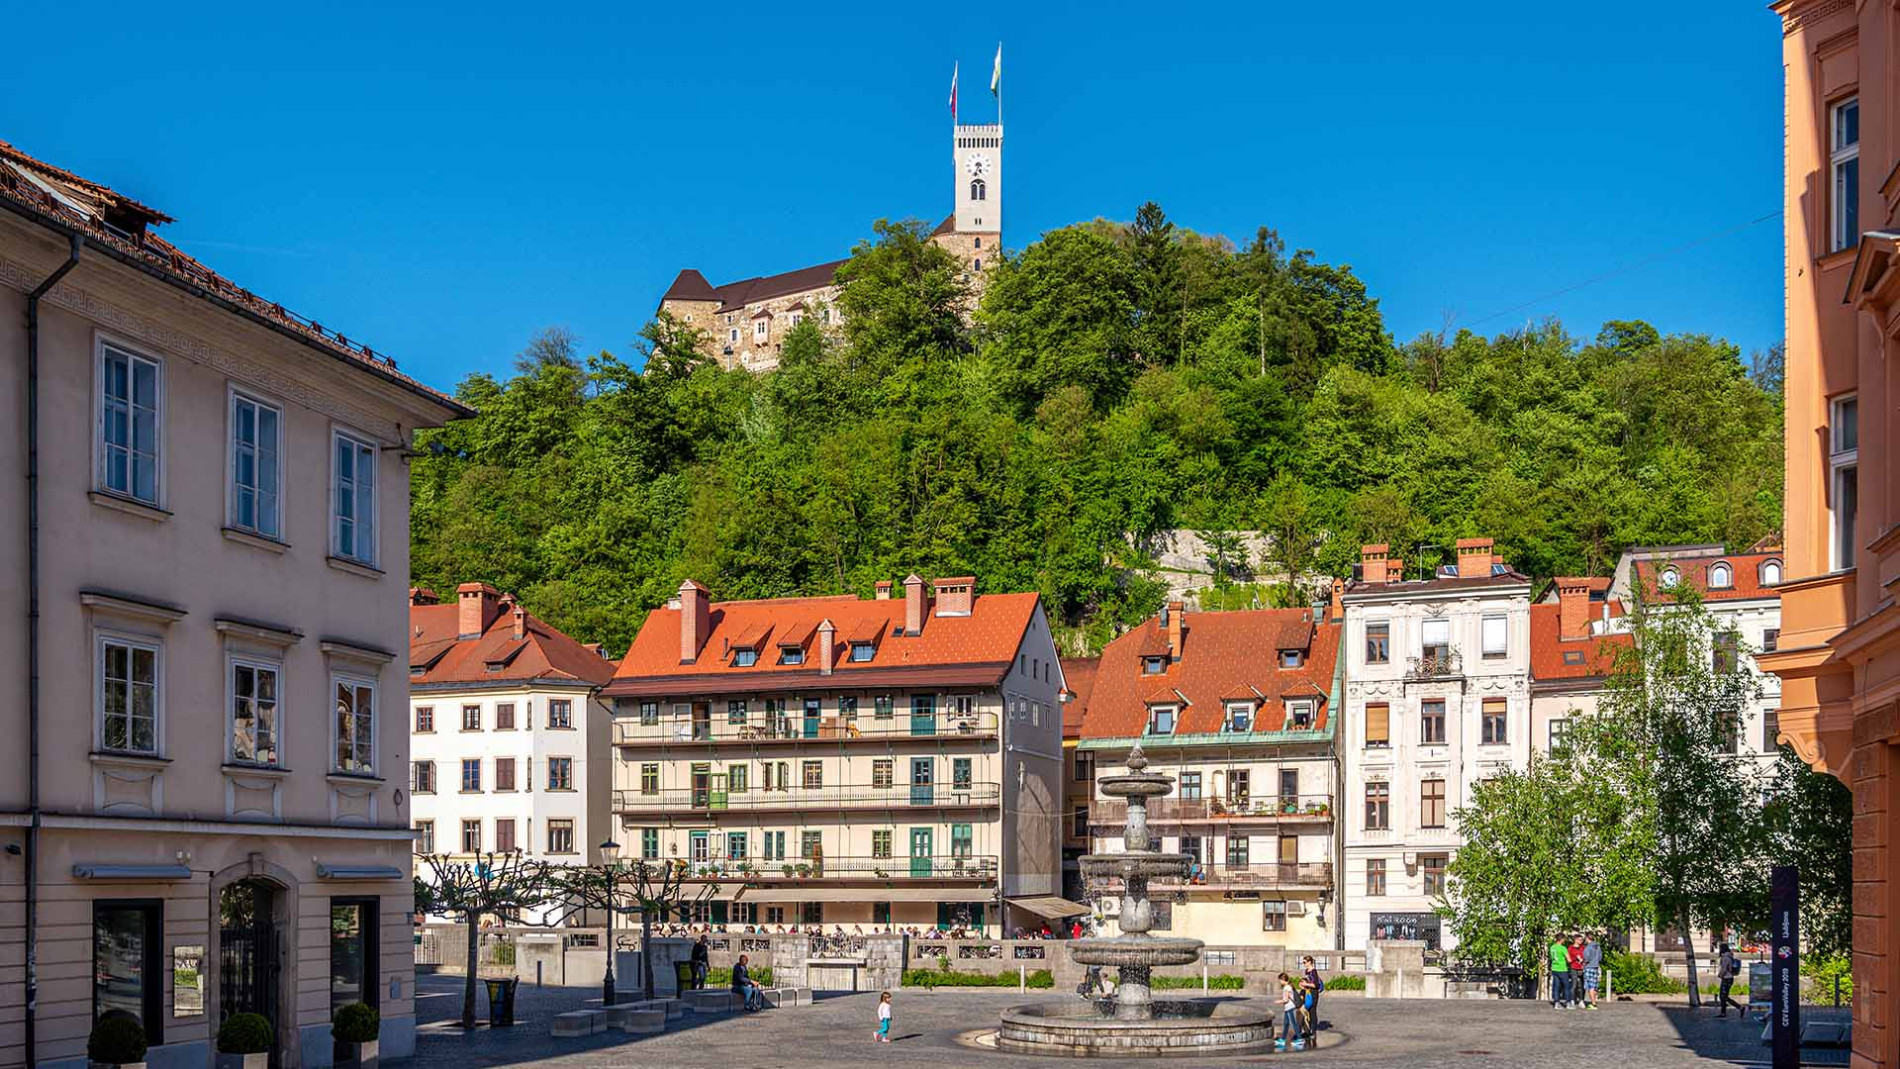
1313	987
1592	970
883	1033
1728	967
1289	1022
1576	972
1559	973
702	961
745	987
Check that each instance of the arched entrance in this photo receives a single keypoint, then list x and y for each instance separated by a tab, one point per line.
253	952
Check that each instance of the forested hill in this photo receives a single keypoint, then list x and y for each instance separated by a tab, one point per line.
1115	381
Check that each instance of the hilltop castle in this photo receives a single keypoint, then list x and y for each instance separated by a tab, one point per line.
746	321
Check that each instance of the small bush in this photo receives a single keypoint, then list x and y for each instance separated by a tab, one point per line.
761	975
245	1033
118	1039
1345	983
1638	974
355	1023
1185	983
1823	971
1041	978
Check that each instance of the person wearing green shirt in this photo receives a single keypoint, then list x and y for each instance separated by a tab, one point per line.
1560	996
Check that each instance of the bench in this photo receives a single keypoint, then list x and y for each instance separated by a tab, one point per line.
787	996
636	1021
580	1023
710	1000
675	1009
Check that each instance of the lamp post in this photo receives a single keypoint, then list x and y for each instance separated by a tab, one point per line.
610	864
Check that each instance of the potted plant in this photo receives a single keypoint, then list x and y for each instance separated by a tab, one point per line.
355	1027
244	1042
117	1039
803	869
789	869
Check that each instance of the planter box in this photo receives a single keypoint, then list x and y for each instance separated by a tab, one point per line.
260	1060
357	1055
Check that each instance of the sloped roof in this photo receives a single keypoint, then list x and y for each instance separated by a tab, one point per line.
543	653
735	295
1695	571
1548	650
1079	673
123	228
960	650
1221	653
690	285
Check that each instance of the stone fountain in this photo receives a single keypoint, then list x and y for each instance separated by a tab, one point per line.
1132	1021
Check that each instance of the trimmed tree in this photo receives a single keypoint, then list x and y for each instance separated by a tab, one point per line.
498	885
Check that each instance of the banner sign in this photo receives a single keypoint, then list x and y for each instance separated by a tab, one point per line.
1784	918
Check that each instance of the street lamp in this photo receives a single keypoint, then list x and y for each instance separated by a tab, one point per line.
609	863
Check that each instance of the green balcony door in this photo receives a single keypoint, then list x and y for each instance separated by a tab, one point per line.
921	774
920	851
923	714
813	707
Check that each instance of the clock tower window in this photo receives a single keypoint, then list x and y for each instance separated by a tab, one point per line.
979	190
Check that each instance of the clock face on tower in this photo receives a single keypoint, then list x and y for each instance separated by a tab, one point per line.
979	165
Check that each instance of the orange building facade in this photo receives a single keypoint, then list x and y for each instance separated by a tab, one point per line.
1839	652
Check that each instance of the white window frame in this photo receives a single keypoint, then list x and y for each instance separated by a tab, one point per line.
1843	463
102	344
759	327
101	639
1502	624
338	435
236	397
1668	578
233	662
1173	714
1771	572
375	699
1843	162
1721	576
1241	709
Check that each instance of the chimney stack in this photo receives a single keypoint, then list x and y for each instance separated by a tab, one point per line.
1573	608
1177	627
478	604
422	595
1474	558
883	590
955	597
913	604
827	646
695	620
1336	606
521	621
1372	562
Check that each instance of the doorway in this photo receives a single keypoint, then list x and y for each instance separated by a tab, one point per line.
250	958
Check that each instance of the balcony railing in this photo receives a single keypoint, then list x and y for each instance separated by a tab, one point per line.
1260	875
1274	807
903	867
794	726
897	796
1439	663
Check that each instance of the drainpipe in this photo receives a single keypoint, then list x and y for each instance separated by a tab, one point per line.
33	640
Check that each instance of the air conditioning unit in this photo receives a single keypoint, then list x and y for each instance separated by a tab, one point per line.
1295	908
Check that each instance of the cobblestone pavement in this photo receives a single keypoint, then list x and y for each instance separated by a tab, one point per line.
931	1030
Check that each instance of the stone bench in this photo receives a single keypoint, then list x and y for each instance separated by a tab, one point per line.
675	1009
637	1021
580	1023
787	996
711	1001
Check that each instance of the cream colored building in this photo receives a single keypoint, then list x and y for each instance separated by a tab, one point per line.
203	803
844	761
1239	708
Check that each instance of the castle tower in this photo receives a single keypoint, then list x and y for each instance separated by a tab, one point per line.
977	229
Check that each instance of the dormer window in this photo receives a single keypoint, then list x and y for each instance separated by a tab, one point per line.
791	655
1668	579
1299	714
1161	720
1721	576
1153	666
744	658
1240	716
1770	572
1292	658
862	652
1573	657
758	329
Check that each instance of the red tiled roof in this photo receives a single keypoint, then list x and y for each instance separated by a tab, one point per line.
1442	582
122	227
1695	571
1221	653
1548	650
1079	674
542	654
969	649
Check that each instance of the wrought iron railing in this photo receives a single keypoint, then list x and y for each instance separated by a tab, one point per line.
1261	875
1439	663
1277	807
901	867
794	725
896	796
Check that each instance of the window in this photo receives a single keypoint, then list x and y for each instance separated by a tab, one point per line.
732	336
1299	714
471	718
1770	639
128	961
1084	767
1724	652
848	709
504	835
1435	641
1431	722
1558	729
1161	720
560	773
1844	477
862	651
881	707
255	475
812	774
736	778
128	696
1573	657
962	841
1432	868
744	658
1770	730
422	777
810	844
1292	658
1668	579
736	846
1721	576
128	424
1079	822
561	836
649	714
961	776
1237	851
735	712
649	844
1378	724
650	778
471	774
560	713
1378	806
1431	805
881	843
1844	169
1378	641
1495	721
425	718
1375	876
1153	666
1273	916
425	836
1190	786
471	837
979	190
1493	630
253	713
504	716
353	499
1240	716
1770	572
881	773
791	655
504	773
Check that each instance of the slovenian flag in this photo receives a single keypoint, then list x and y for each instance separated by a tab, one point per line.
953	92
996	74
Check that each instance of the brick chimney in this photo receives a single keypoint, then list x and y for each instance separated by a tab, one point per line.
695	620
478	604
1372	562
1475	558
827	646
913	604
1336	606
1177	628
883	590
955	597
521	621
422	595
1573	608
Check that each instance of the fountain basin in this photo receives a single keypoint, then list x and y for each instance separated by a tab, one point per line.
1180	1026
1125	951
1126	866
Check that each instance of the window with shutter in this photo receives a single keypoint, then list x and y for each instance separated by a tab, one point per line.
1378	724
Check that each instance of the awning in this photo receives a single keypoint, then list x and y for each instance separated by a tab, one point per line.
1050	906
131	872
359	872
772	896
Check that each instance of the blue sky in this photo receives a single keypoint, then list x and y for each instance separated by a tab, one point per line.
443	181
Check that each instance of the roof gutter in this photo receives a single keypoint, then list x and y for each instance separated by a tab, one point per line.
456	408
33	639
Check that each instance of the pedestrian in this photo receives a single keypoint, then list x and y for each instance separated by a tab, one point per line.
1592	970
1289	1024
883	1033
1314	987
1576	972
1727	968
1559	973
702	961
745	987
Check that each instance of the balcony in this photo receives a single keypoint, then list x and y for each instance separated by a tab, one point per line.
766	873
1437	662
1279	809
1251	876
901	796
794	726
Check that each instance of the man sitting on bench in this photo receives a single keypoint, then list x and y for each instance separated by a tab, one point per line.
745	987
